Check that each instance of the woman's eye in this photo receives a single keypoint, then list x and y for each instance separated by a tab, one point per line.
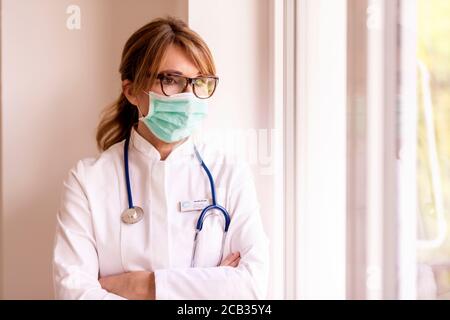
169	81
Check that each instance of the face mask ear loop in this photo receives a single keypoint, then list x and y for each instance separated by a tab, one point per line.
141	115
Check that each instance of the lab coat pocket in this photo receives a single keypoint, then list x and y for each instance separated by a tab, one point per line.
209	246
135	243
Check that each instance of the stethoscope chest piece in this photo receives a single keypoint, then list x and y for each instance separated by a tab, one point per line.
132	215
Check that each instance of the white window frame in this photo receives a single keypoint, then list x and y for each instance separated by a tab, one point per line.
383	220
315	149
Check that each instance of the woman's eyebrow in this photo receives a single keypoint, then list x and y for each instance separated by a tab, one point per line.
177	72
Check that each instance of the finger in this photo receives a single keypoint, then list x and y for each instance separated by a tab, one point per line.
230	258
236	257
104	283
229	263
235	263
110	282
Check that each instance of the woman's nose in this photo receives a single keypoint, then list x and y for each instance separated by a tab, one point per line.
188	88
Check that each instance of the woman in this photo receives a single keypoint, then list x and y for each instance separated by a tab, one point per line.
128	219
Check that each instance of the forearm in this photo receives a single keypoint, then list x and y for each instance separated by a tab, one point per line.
138	285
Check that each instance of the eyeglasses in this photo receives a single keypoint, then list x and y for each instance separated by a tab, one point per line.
202	86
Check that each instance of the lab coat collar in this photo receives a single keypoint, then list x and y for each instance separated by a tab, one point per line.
185	149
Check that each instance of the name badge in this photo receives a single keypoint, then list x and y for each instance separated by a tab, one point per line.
193	205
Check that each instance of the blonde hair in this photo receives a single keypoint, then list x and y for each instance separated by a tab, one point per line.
141	60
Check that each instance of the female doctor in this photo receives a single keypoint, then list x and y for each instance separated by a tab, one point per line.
157	216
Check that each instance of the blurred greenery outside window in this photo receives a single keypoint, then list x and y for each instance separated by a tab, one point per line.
433	54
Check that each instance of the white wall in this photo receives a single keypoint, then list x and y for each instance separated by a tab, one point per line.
54	83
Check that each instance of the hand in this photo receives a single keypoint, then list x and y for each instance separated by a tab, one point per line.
232	260
137	285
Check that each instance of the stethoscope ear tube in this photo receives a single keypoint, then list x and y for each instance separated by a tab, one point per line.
209	208
204	212
127	172
194	248
200	226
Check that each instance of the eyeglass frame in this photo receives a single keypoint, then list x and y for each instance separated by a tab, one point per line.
189	81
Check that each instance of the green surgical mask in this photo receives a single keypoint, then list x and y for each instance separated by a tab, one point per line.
174	118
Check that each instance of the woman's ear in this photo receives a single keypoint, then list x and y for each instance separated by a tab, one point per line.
127	89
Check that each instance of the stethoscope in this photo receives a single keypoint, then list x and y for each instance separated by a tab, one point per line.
135	214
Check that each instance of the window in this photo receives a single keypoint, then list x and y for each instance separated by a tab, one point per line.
367	149
433	149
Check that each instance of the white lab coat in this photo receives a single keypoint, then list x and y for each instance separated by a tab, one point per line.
91	240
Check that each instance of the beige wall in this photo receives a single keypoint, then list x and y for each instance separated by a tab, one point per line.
54	83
